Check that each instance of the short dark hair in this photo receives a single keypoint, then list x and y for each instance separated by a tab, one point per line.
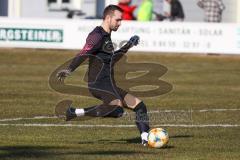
110	9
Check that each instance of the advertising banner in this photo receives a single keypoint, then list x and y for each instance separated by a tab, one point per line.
220	38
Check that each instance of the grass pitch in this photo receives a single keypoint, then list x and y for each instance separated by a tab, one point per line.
201	113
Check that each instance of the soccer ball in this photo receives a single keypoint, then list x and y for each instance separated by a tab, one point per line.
158	138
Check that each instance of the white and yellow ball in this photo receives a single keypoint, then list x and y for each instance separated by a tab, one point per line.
158	138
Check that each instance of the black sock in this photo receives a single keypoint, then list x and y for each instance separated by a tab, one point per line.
116	113
90	111
142	120
104	111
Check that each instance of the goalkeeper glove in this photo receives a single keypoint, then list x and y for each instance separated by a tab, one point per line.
62	74
134	40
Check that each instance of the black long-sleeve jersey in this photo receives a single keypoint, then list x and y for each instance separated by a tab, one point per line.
100	52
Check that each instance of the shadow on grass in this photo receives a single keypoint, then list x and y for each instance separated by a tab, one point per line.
34	152
114	153
16	152
167	147
181	136
136	140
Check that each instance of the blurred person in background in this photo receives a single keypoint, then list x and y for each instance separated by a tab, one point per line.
127	9
176	11
172	11
145	11
213	9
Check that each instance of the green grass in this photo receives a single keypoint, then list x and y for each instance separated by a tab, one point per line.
62	143
199	82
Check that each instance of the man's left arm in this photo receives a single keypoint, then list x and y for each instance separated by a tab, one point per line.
134	40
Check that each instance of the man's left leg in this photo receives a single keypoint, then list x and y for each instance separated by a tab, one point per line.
142	119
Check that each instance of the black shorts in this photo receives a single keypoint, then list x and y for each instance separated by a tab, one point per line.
107	93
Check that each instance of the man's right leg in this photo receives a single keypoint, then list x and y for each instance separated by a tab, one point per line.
102	110
111	107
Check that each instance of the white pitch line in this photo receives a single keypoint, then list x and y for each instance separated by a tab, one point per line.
217	110
191	110
22	118
123	126
198	125
151	111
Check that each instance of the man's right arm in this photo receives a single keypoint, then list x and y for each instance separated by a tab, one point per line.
93	43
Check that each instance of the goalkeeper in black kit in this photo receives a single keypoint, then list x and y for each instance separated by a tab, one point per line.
100	53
